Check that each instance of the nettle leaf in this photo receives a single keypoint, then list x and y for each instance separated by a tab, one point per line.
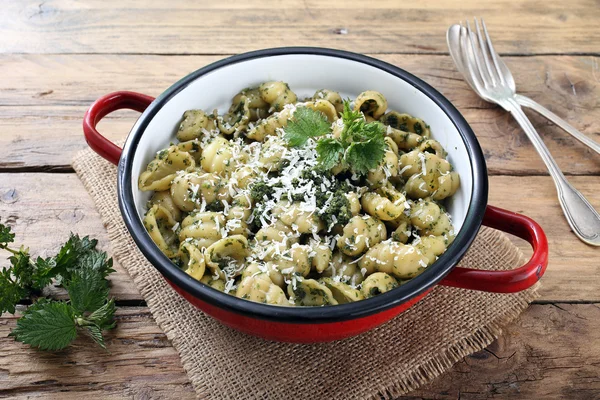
362	145
306	123
329	152
364	156
48	325
96	334
6	235
104	316
87	289
11	292
70	252
97	261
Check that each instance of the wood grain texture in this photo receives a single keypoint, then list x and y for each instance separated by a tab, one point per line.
39	203
552	351
58	56
43	99
224	28
44	209
140	363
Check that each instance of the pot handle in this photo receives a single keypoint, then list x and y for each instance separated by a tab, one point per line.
509	281
101	108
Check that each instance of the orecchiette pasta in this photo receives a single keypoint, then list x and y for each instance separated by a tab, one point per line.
203	228
361	233
193	260
261	289
241	210
268	126
342	292
309	292
277	94
160	223
371	103
165	200
221	156
400	260
162	170
345	269
194	125
330	96
378	283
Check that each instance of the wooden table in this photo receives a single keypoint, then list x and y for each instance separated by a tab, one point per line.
59	56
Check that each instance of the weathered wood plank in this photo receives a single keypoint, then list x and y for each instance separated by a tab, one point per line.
44	97
221	28
36	204
44	209
569	257
551	351
140	363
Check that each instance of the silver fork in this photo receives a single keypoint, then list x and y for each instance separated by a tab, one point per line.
454	36
483	70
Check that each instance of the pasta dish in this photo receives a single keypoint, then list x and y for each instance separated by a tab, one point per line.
311	202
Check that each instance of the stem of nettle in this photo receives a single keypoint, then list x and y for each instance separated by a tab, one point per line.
81	321
14	252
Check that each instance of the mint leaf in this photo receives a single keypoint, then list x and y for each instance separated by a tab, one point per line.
48	325
306	123
329	151
87	289
21	279
369	131
6	235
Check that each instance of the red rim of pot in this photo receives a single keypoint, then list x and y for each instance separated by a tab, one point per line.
442	271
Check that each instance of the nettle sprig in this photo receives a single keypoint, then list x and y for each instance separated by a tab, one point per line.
360	145
52	324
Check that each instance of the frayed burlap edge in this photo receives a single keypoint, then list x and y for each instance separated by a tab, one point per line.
90	167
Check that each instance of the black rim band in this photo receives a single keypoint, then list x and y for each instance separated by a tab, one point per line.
431	276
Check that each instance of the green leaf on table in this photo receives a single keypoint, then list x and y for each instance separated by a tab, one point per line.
6	235
88	290
96	334
47	325
104	316
70	252
11	292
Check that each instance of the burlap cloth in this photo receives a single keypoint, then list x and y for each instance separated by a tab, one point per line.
388	361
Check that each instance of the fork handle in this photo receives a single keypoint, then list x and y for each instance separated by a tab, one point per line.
527	102
581	216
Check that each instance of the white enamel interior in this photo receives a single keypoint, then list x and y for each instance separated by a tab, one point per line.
305	74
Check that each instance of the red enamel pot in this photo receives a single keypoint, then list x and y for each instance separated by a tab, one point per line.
306	70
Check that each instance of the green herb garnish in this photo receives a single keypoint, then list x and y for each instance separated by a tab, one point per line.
51	324
306	123
361	145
